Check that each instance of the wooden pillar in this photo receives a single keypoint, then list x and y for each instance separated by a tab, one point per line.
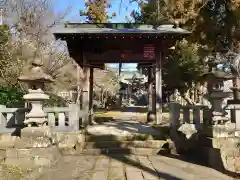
85	94
158	76
91	96
150	115
154	99
79	94
120	96
129	94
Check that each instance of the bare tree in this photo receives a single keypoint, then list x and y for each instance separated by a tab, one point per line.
106	84
31	23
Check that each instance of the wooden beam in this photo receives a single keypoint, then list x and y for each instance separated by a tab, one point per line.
116	56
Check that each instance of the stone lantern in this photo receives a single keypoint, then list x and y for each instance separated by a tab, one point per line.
36	79
216	94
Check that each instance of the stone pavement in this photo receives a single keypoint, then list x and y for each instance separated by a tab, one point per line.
121	127
128	168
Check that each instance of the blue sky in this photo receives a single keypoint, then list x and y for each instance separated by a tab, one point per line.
121	13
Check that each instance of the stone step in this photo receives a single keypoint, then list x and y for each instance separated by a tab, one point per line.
132	137
125	144
99	151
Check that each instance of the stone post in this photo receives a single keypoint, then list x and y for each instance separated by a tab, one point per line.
3	121
207	116
196	116
236	112
74	115
174	114
186	115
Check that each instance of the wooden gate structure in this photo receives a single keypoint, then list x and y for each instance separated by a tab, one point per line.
93	45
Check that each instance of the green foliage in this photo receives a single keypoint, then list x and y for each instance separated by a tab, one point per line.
149	14
182	67
214	26
11	96
55	101
4	34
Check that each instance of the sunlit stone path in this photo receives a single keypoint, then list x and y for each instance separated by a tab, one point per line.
128	168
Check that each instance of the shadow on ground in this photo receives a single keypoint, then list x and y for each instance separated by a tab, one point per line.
193	156
139	109
200	151
142	167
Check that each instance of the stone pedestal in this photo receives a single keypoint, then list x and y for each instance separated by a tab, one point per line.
36	148
223	154
36	115
216	98
216	145
220	130
221	147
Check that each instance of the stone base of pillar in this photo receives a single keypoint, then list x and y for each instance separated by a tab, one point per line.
36	116
159	118
151	117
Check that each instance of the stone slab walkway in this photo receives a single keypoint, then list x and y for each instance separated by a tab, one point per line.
128	168
121	127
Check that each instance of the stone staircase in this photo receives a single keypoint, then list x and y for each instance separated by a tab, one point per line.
122	145
120	137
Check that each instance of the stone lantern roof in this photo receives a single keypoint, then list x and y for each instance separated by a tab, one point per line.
36	73
217	75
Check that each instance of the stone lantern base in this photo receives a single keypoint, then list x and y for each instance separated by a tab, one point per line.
216	98
36	115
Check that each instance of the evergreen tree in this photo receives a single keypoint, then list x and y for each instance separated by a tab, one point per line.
214	26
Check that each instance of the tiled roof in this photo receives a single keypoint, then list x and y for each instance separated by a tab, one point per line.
115	28
125	75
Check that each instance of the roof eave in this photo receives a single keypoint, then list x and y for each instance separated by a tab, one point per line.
86	29
65	35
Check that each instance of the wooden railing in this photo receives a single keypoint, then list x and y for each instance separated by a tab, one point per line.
59	118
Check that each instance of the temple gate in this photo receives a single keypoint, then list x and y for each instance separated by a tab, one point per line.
93	45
